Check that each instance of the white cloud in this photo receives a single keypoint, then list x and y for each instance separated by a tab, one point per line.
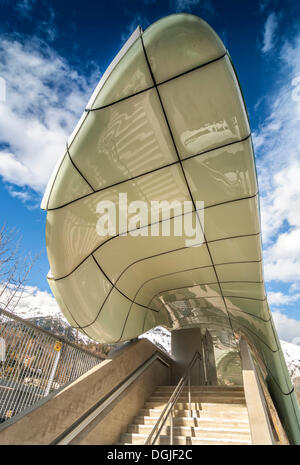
44	99
288	329
269	32
31	303
277	147
278	298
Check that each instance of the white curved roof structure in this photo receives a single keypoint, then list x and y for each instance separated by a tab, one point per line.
167	122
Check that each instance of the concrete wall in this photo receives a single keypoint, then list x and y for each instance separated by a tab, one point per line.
44	424
107	429
184	343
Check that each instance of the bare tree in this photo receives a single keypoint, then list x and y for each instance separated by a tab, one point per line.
14	269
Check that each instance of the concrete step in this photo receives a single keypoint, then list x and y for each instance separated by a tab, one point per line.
204	388
199	398
238	403
135	438
196	431
195	421
230	412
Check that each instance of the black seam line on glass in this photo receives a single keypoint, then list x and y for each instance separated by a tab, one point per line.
143	328
189	269
159	84
187	184
115	288
243	297
250	314
102	305
121	235
153	171
238	323
203	284
78	170
234	237
276	337
50	193
248	197
120	100
73	318
161	253
184	175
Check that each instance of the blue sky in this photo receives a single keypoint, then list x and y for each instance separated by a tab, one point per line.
52	55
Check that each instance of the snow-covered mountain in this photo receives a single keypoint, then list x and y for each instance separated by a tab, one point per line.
41	308
292	357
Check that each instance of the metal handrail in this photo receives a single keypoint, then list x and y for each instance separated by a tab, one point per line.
100	407
168	410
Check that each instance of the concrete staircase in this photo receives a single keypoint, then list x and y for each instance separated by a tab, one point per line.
219	416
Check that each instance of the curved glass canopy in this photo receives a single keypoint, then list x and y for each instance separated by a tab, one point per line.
167	122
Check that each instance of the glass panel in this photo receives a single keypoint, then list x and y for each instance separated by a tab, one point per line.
227	358
205	108
122	141
258	308
130	249
61	302
68	185
135	322
130	75
236	250
178	43
84	291
253	290
222	174
260	328
170	288
79	222
239	272
110	322
139	273
238	218
45	199
150	321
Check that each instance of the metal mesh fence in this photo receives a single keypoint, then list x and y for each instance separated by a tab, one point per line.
34	362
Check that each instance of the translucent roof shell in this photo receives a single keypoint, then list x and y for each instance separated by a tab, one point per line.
167	121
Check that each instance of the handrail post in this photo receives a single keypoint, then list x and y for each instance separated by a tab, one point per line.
189	380
169	408
171	426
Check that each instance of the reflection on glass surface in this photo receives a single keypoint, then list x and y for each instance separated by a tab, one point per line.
228	361
122	141
223	174
205	108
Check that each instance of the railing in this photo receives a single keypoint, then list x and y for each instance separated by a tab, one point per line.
99	409
169	408
34	362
